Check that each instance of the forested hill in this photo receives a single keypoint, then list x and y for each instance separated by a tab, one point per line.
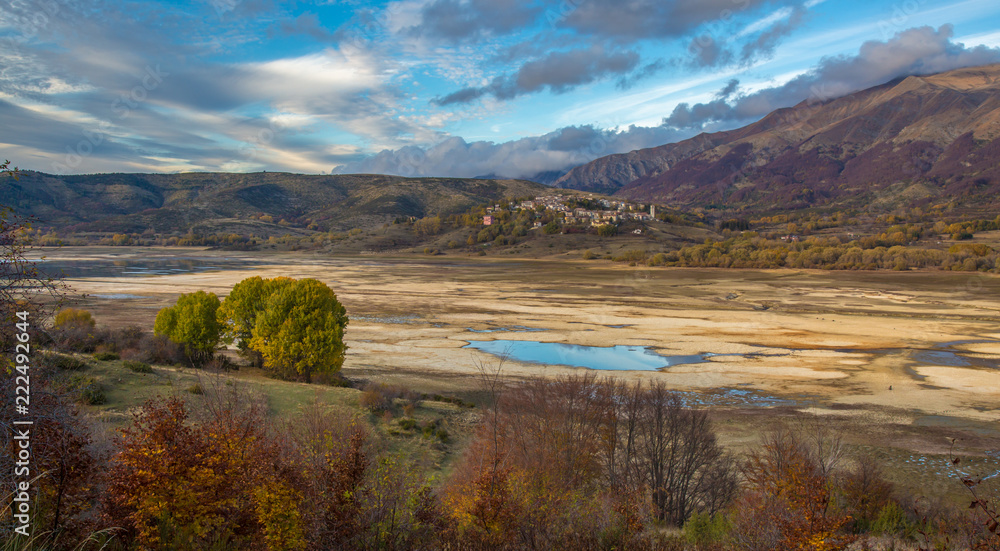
914	142
265	203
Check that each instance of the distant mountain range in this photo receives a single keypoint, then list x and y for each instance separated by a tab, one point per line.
914	141
254	203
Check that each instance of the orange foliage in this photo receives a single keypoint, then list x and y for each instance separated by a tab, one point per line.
787	502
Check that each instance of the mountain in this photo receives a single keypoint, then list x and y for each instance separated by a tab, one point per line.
914	141
242	203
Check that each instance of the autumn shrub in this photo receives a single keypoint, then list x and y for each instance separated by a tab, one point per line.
123	338
374	400
185	483
74	329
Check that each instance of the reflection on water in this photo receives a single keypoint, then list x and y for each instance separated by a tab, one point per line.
141	267
640	358
620	358
511	329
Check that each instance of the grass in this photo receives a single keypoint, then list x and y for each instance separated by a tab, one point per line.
429	436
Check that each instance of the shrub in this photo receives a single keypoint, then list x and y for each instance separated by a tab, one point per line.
407	424
706	529
74	330
221	363
125	338
589	255
64	362
72	317
635	255
196	389
137	367
106	356
92	394
891	520
374	400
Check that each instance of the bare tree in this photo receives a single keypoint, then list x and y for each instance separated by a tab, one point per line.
685	464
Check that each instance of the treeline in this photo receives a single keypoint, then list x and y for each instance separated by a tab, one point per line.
573	463
749	250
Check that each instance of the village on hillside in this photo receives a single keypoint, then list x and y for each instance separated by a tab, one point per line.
610	211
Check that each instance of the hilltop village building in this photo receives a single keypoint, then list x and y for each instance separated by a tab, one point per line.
611	211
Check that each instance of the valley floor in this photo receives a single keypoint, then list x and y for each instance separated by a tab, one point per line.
902	361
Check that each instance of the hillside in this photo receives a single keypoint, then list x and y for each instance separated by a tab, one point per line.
918	141
241	203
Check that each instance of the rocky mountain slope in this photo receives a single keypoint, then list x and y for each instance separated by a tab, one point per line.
914	141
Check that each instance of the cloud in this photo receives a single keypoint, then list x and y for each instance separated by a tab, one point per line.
554	152
308	24
754	42
557	71
916	51
454	20
635	20
85	73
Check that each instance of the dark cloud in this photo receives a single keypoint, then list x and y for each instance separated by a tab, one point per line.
641	19
558	71
706	51
648	70
915	51
453	20
729	89
572	138
764	43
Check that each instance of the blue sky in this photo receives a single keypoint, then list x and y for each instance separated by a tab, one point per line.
437	87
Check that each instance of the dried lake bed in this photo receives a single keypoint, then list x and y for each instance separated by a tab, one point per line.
918	352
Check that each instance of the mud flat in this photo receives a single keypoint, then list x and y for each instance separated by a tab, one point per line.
920	348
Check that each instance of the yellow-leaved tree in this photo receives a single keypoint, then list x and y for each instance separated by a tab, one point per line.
239	311
300	332
193	323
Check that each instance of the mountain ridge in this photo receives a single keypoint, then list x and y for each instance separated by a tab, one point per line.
223	202
940	131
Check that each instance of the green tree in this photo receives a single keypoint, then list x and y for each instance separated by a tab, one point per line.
607	230
301	331
238	312
193	323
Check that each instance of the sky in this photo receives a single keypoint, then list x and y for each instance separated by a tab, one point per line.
460	88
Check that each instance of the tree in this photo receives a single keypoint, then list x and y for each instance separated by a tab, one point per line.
192	322
20	278
238	312
607	230
301	331
786	504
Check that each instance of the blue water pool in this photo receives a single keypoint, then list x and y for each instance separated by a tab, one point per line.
621	358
